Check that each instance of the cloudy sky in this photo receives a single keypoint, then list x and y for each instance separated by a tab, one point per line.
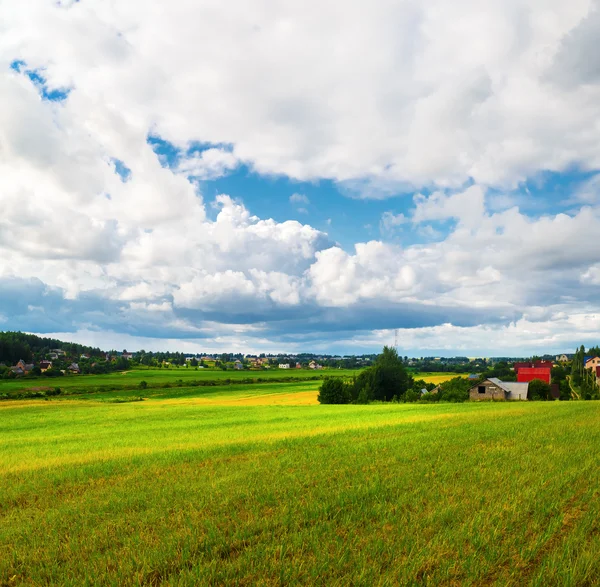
263	175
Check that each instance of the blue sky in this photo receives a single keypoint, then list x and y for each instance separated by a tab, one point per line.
323	178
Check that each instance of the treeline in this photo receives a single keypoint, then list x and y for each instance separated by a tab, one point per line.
29	347
389	381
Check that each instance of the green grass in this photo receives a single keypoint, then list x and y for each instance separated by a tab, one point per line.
172	491
157	377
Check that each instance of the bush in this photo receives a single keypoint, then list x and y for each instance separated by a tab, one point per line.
334	391
538	390
143	385
455	390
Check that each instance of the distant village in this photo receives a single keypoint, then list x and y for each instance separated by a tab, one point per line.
566	375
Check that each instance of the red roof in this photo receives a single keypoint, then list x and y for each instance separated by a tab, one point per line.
533	365
518	366
525	375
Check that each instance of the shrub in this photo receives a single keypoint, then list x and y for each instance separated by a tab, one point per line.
538	390
143	385
334	391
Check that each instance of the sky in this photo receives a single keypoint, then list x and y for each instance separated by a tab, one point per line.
260	176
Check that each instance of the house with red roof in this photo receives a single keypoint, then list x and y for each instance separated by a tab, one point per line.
529	371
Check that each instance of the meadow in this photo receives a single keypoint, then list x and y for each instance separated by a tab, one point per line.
257	486
182	377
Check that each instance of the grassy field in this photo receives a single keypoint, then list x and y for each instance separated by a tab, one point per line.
126	383
436	378
158	377
251	486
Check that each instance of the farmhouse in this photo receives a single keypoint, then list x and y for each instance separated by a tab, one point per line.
284	365
25	367
591	362
494	389
45	365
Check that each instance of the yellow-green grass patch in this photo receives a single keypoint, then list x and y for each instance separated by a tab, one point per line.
170	491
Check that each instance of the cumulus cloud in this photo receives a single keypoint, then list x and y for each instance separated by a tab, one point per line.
97	232
443	93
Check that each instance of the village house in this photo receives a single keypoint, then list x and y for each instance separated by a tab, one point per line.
494	389
45	365
238	365
74	368
563	358
591	362
25	367
284	365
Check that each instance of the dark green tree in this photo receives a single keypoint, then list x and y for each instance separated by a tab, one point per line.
334	391
538	390
386	379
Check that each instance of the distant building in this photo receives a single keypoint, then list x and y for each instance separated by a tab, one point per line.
494	389
591	362
45	365
25	367
74	368
284	365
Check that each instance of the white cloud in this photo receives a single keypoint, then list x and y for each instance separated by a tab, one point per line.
390	222
299	199
435	95
208	164
467	207
421	93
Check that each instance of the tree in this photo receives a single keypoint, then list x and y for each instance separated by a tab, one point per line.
538	390
386	379
334	391
455	390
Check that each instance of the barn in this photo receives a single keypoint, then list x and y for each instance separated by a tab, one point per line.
494	389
